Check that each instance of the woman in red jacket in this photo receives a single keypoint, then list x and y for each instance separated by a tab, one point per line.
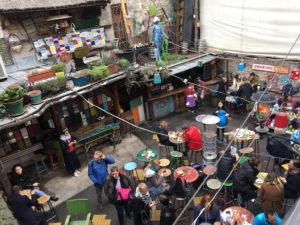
192	136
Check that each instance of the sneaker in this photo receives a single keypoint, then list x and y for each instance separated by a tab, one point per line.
54	198
76	174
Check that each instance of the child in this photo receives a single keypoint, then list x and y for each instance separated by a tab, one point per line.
222	113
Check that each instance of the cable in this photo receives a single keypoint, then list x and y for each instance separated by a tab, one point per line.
177	219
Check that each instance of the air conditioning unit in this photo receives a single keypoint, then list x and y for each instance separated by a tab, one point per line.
3	73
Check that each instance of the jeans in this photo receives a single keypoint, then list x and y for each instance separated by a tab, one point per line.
99	195
39	193
120	207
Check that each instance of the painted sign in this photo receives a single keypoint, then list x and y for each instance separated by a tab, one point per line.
270	68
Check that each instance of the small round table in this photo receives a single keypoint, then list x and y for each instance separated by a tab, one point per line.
240	214
207	119
179	141
147	155
209	170
213	184
190	174
164	163
131	168
164	172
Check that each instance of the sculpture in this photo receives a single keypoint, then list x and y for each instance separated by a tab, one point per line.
158	31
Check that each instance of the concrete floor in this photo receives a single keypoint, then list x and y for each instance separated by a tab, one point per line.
67	187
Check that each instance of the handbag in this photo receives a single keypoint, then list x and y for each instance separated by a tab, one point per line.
123	193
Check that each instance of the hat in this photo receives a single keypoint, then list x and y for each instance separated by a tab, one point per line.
156	19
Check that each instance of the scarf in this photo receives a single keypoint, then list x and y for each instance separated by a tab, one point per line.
145	198
65	138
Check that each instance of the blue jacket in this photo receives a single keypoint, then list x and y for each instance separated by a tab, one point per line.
97	171
222	114
260	219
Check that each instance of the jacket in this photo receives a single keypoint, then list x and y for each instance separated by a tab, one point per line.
21	180
245	90
110	187
271	197
279	146
225	166
245	177
209	216
141	211
222	114
97	171
162	138
260	219
21	207
292	185
167	216
192	136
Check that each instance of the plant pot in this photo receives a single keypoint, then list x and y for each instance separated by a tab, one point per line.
15	108
60	75
126	54
35	97
113	68
42	75
81	81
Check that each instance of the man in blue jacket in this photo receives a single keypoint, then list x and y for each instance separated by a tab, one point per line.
267	218
97	171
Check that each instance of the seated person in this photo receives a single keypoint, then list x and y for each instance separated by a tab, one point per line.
225	166
292	185
235	84
21	206
211	214
267	218
19	178
244	92
286	102
180	188
192	137
254	80
244	178
155	180
168	212
223	88
164	139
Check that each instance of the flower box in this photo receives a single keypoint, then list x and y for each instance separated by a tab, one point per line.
40	75
113	68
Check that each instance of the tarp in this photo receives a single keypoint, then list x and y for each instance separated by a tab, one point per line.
253	27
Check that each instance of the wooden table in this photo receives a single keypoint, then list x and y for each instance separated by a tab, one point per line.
263	176
190	174
241	215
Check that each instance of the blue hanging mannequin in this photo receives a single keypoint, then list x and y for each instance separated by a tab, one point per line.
158	31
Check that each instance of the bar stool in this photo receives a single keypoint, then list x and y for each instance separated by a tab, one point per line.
164	149
195	154
228	191
42	201
176	159
179	205
40	165
164	163
213	184
130	168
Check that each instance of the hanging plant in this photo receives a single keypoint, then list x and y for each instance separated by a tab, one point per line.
152	9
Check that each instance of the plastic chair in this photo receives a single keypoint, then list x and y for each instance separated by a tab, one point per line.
78	208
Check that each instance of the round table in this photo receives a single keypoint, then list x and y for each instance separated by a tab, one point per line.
152	154
213	184
209	170
178	140
207	119
190	174
164	172
164	162
241	215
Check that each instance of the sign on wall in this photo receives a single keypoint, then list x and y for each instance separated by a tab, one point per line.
270	68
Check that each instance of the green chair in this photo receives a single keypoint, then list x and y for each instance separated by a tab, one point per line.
243	159
78	208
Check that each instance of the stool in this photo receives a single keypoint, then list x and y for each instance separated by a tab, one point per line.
179	205
130	167
46	199
40	165
228	185
176	159
213	184
209	170
162	149
195	153
51	153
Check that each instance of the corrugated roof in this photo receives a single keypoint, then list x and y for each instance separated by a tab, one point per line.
35	5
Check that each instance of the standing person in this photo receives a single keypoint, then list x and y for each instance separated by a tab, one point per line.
223	88
211	213
244	178
142	205
164	139
235	84
271	194
192	137
68	142
118	188
22	208
97	172
244	92
168	213
200	91
292	185
223	115
269	217
254	80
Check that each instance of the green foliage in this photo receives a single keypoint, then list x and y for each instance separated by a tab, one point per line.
148	70
58	67
108	60
152	9
12	93
167	57
124	64
51	87
98	72
161	64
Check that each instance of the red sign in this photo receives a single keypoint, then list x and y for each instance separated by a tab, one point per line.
270	68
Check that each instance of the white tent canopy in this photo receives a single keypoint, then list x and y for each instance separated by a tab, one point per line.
253	27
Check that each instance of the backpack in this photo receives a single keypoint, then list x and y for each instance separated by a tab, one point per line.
180	188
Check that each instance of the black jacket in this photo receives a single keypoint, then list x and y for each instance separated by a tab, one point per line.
167	216
21	180
279	146
21	207
110	187
141	211
225	166
245	91
162	139
223	88
292	186
244	177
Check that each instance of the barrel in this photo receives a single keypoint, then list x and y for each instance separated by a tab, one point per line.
185	48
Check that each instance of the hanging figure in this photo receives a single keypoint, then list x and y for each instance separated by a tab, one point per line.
158	31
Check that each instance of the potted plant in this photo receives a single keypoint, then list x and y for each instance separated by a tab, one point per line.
81	77
36	75
12	99
99	72
111	63
51	87
35	97
125	54
59	70
123	64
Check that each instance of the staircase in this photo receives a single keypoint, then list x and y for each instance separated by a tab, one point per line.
5	53
30	28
